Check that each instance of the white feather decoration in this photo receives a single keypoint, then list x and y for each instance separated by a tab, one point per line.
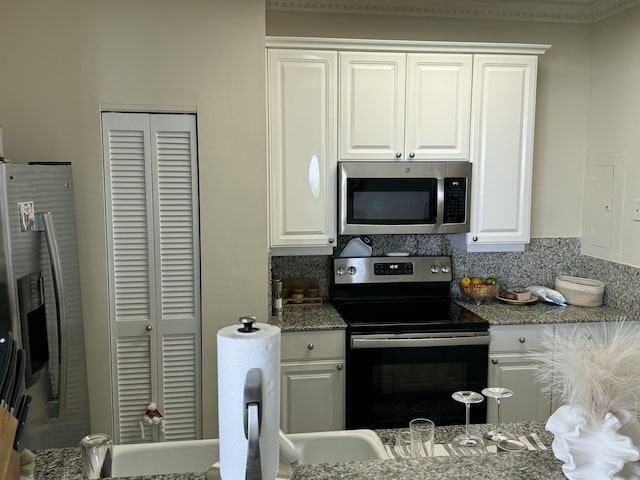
594	367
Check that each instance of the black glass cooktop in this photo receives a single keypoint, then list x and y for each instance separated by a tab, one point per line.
409	315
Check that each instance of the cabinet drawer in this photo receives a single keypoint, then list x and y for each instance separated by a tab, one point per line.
516	338
312	345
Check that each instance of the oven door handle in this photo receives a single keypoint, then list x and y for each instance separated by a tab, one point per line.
366	341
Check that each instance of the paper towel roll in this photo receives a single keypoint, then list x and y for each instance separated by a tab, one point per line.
239	352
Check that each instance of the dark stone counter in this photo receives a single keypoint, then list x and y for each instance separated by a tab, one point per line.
325	316
499	313
64	464
320	317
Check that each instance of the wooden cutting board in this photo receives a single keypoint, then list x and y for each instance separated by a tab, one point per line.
9	458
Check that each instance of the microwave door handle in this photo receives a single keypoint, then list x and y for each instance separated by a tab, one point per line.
440	202
46	224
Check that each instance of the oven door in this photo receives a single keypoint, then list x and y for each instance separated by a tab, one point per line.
394	378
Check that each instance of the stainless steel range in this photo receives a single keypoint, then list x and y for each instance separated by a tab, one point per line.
409	347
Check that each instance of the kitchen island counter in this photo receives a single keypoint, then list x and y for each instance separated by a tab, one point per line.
64	463
538	465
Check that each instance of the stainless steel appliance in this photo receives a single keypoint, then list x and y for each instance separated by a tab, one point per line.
409	347
40	299
403	197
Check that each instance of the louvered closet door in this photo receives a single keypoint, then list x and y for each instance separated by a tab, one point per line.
153	222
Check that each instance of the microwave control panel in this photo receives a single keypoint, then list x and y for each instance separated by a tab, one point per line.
455	200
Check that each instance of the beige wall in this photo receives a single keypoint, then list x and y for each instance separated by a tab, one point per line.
563	82
614	116
60	61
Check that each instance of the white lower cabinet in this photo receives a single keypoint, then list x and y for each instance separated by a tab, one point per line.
511	366
312	380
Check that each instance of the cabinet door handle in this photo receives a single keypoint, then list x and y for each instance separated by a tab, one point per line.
331	240
398	154
412	154
339	366
494	361
522	339
311	346
475	239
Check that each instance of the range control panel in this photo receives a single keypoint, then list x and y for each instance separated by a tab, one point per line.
392	269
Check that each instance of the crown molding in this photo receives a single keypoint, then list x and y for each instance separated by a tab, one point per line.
559	11
363	45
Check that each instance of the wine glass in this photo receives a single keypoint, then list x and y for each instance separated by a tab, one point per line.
465	443
497	434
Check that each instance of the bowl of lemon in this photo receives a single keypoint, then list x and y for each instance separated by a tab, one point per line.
479	290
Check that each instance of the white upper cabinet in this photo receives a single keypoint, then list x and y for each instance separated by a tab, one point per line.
503	109
438	106
397	106
302	148
372	105
371	100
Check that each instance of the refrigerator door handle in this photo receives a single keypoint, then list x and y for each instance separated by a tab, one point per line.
45	223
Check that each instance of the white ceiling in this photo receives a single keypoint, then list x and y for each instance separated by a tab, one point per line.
567	11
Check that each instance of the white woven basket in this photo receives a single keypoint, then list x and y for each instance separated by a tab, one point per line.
583	292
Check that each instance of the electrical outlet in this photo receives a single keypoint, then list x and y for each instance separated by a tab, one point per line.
636	210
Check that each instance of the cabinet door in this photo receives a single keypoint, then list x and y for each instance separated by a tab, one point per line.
517	372
438	107
302	147
503	106
312	396
372	98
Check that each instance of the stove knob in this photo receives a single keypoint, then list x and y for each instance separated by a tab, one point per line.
434	269
351	270
445	268
341	271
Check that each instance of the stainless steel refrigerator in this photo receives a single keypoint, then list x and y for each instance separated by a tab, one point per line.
40	299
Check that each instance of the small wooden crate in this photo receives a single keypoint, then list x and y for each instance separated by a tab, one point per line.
306	285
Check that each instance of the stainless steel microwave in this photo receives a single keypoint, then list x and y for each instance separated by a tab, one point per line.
403	197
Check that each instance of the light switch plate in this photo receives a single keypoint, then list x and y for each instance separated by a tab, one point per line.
636	210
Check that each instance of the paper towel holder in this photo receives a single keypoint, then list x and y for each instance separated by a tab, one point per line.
247	324
252	396
252	420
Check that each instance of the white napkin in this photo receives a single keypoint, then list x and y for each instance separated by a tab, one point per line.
532	441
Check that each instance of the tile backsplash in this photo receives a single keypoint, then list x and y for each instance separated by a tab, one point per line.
541	262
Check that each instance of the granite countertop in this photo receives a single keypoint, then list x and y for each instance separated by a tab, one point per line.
529	465
499	313
325	316
64	463
317	317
